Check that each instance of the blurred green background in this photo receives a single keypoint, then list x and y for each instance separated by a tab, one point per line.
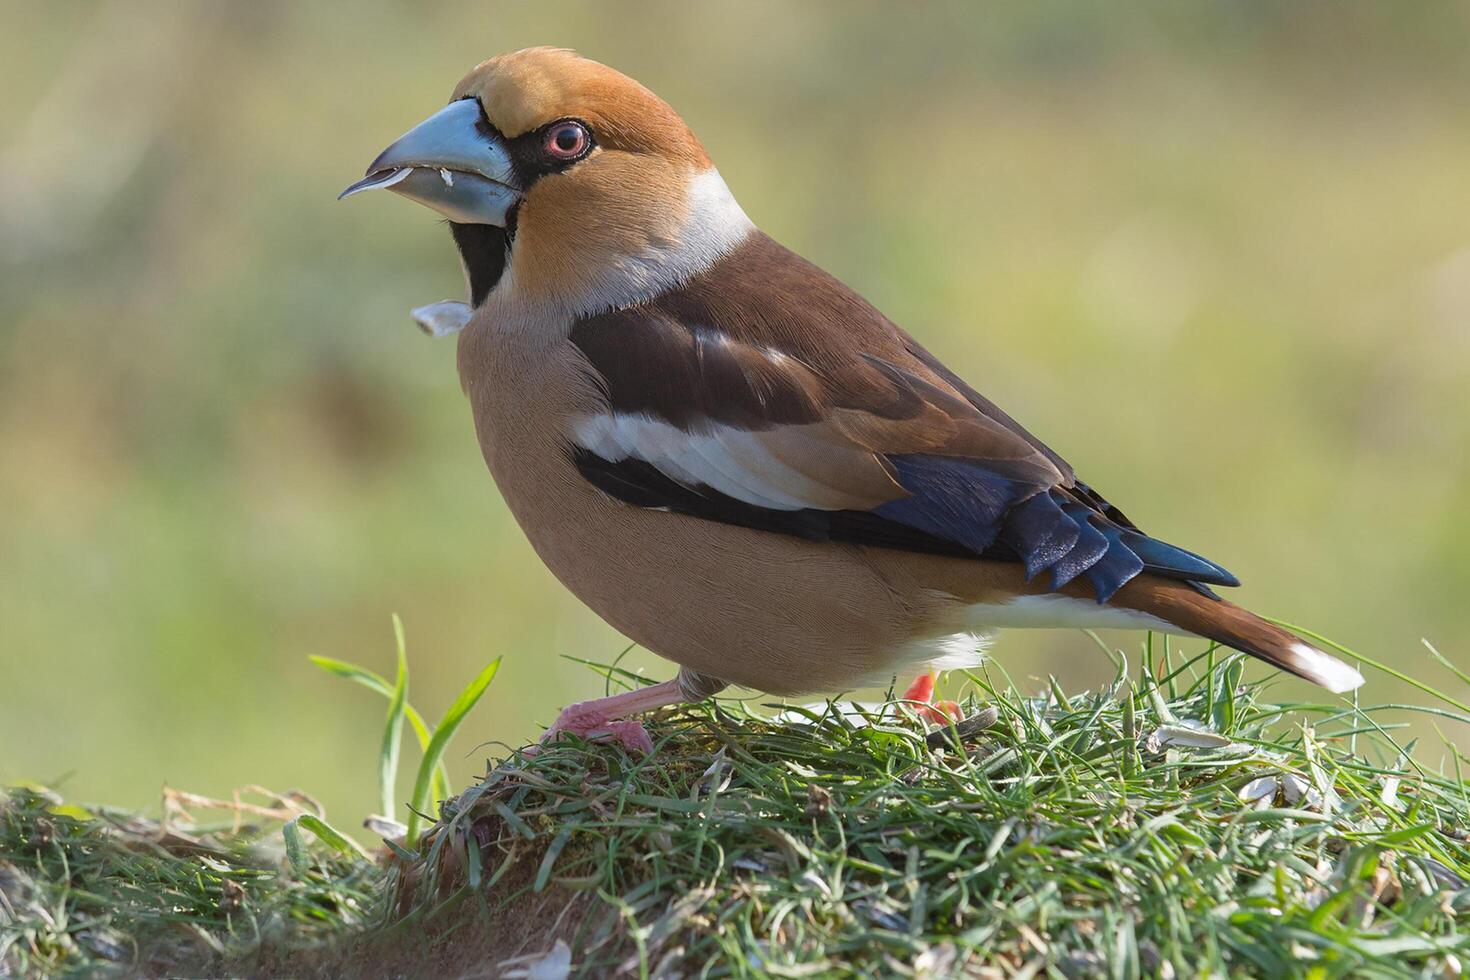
1218	255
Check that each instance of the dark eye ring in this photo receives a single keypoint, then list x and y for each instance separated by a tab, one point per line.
567	140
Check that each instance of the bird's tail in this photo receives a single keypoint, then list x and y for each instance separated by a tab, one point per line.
1222	621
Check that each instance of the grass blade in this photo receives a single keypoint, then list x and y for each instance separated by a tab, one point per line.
393	727
1445	662
324	832
442	734
295	847
376	682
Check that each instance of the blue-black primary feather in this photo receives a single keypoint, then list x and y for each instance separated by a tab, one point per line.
961	500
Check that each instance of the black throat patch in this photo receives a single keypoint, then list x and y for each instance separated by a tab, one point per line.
484	249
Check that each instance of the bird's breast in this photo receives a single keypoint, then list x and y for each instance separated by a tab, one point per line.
526	383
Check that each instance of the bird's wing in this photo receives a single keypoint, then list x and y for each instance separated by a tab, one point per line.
765	393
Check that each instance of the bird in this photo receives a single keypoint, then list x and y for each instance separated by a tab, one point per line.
729	455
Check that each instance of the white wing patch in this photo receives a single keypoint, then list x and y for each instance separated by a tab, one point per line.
730	460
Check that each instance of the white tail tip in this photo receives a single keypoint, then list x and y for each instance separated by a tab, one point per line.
1327	670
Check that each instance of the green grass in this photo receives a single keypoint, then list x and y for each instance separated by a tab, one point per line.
1078	835
88	892
1178	822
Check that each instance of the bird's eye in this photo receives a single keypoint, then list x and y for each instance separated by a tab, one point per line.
567	140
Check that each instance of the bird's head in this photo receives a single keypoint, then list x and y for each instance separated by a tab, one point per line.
565	182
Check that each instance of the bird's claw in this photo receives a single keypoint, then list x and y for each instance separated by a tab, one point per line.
587	722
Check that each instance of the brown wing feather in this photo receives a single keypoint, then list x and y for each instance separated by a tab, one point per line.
750	343
774	394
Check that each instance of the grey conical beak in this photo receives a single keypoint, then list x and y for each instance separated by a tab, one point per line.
448	163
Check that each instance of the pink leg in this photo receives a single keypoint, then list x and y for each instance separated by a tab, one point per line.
935	712
922	689
606	719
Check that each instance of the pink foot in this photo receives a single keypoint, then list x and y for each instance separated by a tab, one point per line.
610	719
586	720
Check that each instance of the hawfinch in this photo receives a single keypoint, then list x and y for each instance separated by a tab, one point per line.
728	454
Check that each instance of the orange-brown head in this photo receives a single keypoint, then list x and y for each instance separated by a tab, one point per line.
528	90
566	183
